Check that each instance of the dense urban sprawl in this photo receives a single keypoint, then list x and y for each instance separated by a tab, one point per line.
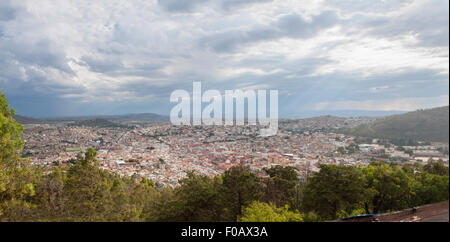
165	153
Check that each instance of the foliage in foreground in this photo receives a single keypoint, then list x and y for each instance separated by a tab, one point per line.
263	212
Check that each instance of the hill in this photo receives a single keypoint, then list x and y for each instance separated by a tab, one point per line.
421	125
151	117
97	123
26	120
137	117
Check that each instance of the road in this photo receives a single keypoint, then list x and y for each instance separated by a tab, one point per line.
437	218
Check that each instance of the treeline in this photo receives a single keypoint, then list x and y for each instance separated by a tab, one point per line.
82	191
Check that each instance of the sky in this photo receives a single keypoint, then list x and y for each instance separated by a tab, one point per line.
72	58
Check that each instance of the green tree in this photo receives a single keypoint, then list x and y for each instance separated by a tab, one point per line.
10	131
332	189
345	214
409	152
282	186
240	188
263	212
430	188
88	190
342	150
195	200
390	185
143	195
16	176
352	148
436	167
49	196
412	169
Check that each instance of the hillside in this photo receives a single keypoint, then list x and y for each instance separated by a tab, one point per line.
151	117
137	117
421	125
97	123
26	120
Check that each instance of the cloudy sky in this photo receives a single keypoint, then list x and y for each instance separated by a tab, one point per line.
68	58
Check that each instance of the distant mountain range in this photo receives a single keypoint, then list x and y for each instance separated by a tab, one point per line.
97	123
421	125
340	113
26	120
151	117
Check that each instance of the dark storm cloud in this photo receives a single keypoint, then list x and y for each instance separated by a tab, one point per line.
41	53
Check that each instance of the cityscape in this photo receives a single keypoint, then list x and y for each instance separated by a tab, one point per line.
164	153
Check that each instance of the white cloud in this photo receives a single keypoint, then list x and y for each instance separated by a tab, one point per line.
399	104
113	50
